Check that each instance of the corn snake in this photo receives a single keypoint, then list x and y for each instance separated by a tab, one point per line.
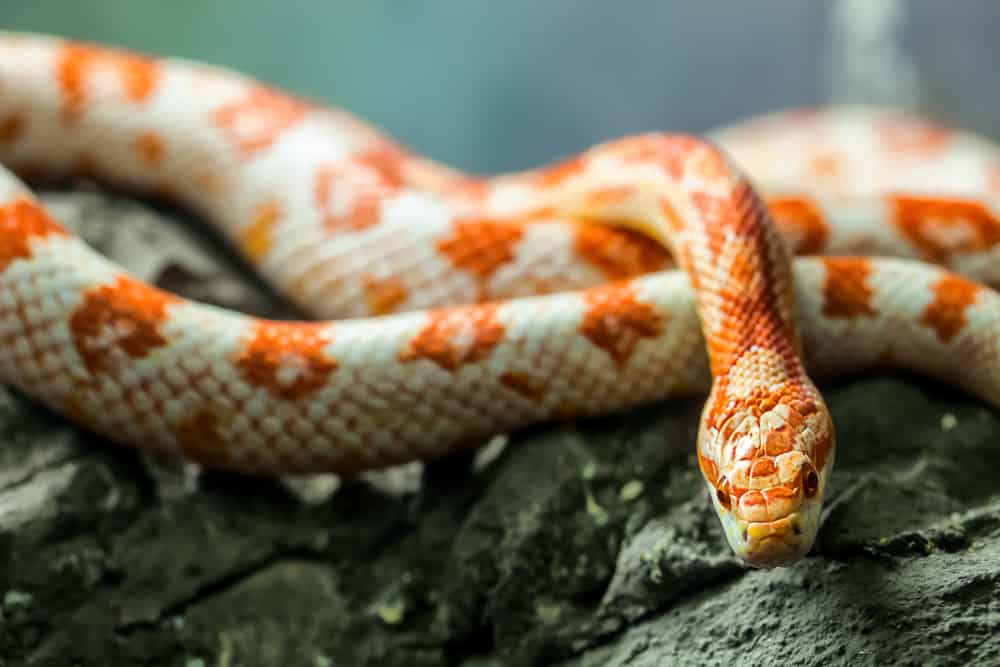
570	316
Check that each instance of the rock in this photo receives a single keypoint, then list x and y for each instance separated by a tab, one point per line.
583	544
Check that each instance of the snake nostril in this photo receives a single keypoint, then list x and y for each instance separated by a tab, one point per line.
797	528
810	480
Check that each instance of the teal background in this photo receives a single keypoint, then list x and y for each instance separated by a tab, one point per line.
492	86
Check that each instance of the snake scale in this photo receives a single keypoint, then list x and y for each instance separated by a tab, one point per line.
572	305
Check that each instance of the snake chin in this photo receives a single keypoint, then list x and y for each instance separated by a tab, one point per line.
776	543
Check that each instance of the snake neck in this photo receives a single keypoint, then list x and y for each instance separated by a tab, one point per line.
683	192
766	437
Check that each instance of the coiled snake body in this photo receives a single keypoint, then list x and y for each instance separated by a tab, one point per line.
574	309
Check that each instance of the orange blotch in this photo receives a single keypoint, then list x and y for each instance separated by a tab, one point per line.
562	172
470	191
742	272
738	214
524	384
257	120
481	245
123	317
150	148
257	239
21	221
946	313
350	193
801	223
387	160
12	128
714	211
383	294
77	62
710	166
941	227
913	137
286	358
669	151
202	441
349	196
846	291
619	253
454	337
616	321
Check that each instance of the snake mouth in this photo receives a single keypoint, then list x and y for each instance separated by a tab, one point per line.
775	543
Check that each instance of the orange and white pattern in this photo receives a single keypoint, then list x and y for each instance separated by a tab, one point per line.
570	304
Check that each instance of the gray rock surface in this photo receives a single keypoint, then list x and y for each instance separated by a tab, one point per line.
584	544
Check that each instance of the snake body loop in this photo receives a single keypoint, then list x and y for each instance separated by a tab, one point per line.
571	304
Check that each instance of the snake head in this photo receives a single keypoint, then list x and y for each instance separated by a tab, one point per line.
766	465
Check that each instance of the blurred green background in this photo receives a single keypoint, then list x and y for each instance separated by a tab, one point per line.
492	86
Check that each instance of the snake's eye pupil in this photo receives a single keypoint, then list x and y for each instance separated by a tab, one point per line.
723	498
810	482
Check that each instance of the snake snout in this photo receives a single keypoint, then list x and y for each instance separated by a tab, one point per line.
782	527
773	520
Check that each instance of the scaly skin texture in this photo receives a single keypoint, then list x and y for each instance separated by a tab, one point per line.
572	309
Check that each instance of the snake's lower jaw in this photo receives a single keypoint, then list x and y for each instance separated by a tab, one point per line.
776	543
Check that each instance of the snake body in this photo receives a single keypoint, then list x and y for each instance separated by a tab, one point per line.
573	309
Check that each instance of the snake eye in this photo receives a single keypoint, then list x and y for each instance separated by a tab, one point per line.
810	480
723	496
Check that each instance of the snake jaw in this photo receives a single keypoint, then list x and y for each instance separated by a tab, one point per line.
773	543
